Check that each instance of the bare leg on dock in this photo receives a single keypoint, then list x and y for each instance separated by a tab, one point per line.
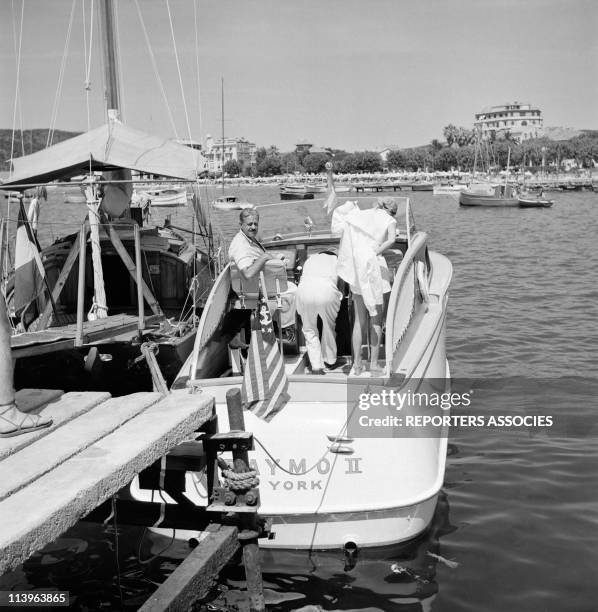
13	422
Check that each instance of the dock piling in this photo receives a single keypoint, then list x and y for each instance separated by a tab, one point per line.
249	529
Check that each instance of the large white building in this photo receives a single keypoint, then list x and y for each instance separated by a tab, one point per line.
521	121
237	149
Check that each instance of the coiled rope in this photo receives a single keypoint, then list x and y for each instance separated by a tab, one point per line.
240	481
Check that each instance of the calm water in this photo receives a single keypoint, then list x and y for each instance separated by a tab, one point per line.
517	523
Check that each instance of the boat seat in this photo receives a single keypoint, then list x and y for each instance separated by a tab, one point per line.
275	276
288	256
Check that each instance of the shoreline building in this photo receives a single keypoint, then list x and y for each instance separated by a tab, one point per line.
237	149
521	121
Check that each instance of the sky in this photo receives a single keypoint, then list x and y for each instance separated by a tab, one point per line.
347	74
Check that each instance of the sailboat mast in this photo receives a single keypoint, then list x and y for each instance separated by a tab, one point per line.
109	51
222	121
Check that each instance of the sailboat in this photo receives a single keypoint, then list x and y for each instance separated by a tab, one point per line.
227	202
528	199
326	481
488	193
142	265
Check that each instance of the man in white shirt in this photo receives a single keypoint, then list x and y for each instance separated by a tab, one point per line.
249	255
318	296
245	250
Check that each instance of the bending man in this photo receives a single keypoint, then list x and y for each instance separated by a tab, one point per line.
318	296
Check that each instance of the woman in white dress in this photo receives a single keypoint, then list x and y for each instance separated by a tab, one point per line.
366	234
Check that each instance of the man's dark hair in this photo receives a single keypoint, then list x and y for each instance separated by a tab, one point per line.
248	212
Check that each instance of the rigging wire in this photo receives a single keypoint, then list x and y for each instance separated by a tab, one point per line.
195	14
188	123
121	80
178	65
156	71
17	88
58	93
88	55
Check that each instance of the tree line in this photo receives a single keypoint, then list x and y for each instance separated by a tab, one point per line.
458	151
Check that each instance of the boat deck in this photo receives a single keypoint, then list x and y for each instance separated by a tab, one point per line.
55	476
299	364
62	337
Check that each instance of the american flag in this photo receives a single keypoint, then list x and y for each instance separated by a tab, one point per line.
265	382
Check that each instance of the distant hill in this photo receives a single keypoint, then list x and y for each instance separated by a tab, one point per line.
33	140
561	133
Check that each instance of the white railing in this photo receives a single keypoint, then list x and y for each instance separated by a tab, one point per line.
404	296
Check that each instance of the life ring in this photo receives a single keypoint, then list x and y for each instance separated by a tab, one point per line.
422	281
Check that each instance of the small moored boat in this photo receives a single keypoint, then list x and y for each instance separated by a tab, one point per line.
295	192
488	194
231	202
166	197
528	201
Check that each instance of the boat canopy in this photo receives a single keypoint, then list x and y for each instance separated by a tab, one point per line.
108	147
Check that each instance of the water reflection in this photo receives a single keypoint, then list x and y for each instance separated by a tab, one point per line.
389	578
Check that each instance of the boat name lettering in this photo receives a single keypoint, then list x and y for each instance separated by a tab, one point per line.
299	485
299	467
353	465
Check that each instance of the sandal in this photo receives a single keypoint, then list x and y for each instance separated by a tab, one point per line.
20	422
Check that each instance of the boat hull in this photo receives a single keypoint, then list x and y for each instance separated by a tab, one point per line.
293	195
327	476
448	189
531	203
471	199
422	187
166	198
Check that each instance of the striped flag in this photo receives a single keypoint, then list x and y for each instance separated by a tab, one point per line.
29	269
265	382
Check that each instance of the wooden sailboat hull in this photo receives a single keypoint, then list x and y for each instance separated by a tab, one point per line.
53	361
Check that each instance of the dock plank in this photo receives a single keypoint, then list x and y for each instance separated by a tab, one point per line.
33	461
194	577
40	512
63	410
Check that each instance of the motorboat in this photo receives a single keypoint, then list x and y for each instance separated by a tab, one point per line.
295	191
324	482
488	194
166	197
422	186
231	202
449	188
529	200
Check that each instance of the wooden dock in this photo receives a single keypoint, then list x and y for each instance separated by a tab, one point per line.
378	187
51	478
